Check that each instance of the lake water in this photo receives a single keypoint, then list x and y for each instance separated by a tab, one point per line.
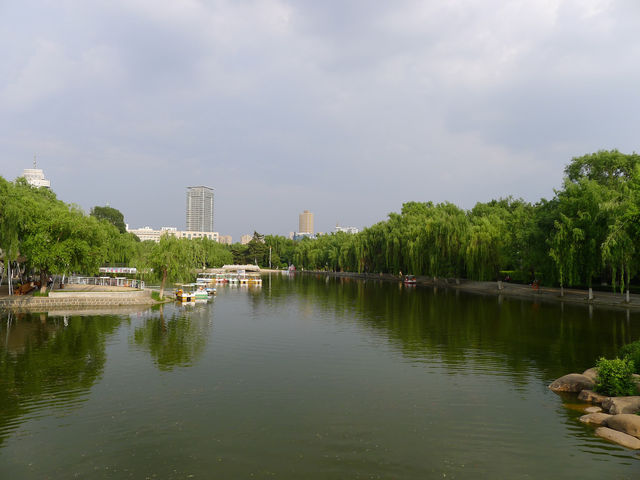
307	378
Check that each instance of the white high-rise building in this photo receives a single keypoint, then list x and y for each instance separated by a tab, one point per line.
200	209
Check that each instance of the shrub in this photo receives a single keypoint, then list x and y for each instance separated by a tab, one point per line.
155	295
614	377
632	352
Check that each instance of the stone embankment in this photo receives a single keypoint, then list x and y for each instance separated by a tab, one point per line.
74	299
606	299
616	418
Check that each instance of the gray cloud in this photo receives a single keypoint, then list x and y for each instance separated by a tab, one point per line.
344	108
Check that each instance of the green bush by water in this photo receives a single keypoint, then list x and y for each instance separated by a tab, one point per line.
614	377
632	352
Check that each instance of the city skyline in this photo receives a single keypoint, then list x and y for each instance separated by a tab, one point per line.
423	101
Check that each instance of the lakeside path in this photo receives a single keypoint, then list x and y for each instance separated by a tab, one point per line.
77	296
606	299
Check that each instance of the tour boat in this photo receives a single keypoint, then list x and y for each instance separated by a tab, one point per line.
232	278
243	278
221	278
206	278
254	279
193	292
409	279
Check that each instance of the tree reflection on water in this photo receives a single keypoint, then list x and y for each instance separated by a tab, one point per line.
48	362
176	339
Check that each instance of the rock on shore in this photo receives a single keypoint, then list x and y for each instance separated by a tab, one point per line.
620	425
620	438
595	418
591	373
618	405
591	396
573	382
627	423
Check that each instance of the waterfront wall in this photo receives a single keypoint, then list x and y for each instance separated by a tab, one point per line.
76	299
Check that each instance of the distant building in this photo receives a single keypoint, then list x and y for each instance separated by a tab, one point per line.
192	234
199	209
148	233
305	222
244	239
35	176
351	230
300	235
226	239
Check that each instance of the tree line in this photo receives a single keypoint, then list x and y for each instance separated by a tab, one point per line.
588	232
43	235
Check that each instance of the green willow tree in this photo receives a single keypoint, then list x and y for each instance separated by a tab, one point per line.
563	249
171	259
619	249
10	222
111	215
57	238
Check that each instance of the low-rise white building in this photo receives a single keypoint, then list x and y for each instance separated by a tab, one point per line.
352	230
148	233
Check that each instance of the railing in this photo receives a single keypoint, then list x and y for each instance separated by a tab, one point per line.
106	281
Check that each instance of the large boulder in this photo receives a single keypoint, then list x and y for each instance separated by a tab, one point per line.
574	382
595	418
626	423
591	396
591	373
618	405
619	437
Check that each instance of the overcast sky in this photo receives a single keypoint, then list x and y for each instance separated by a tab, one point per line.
344	108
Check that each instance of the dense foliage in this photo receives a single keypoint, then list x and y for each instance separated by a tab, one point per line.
587	233
110	214
632	352
614	377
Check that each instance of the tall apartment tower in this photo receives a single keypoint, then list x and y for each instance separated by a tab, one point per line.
305	222
200	209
